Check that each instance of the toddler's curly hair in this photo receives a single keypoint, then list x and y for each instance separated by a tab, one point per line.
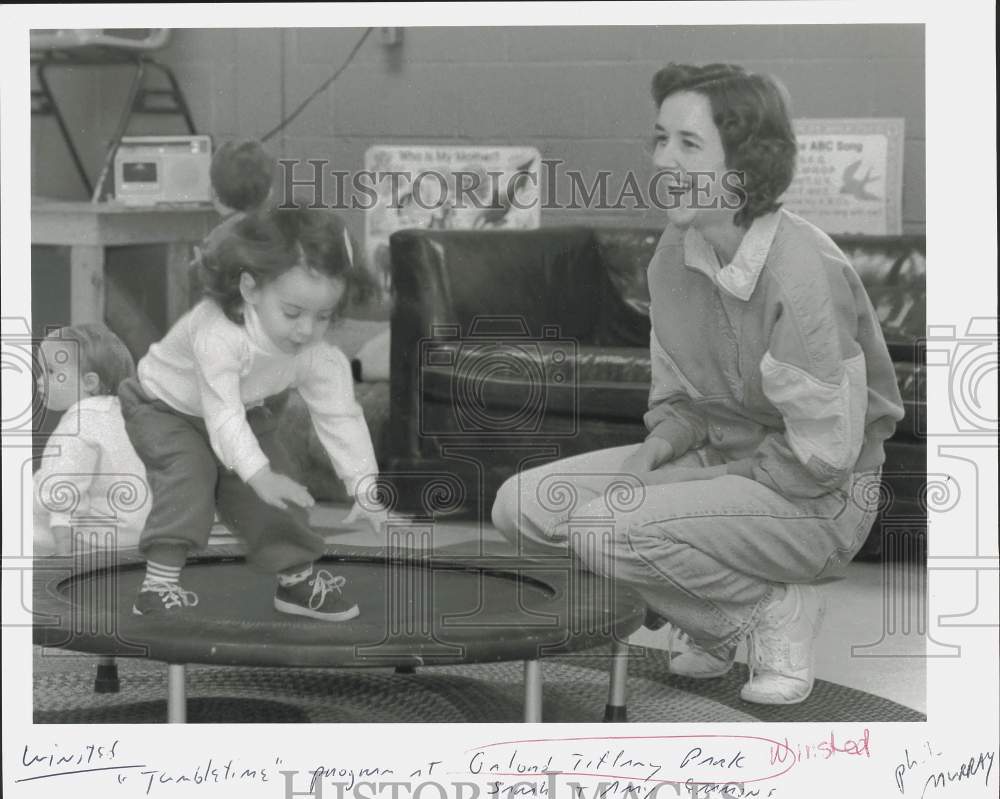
269	243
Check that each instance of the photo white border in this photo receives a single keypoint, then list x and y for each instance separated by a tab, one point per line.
961	285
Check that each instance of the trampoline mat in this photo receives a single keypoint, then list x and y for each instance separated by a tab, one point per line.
411	613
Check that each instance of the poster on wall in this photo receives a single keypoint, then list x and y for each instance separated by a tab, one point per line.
849	177
448	187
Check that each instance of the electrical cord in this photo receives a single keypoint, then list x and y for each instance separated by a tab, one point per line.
319	90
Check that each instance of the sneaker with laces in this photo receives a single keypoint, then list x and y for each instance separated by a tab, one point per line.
780	649
157	597
318	597
694	661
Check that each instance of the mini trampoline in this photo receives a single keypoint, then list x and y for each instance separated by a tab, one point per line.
415	611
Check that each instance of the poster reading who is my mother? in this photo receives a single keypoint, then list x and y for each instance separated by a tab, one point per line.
849	177
449	188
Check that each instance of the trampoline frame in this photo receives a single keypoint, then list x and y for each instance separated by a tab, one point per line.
50	600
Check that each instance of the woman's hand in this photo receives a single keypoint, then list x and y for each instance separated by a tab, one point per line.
278	490
375	516
653	453
682	475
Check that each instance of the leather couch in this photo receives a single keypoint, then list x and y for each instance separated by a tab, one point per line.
514	348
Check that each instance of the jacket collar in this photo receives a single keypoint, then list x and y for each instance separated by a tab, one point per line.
739	277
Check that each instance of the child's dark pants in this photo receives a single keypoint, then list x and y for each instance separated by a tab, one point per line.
188	484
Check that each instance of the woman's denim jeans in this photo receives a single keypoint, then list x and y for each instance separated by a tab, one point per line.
705	554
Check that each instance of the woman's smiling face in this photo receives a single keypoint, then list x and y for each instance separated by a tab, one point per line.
688	150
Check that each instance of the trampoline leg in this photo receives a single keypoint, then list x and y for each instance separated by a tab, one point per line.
532	691
107	676
615	709
176	699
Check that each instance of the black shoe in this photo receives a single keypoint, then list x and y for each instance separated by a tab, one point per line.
319	597
157	597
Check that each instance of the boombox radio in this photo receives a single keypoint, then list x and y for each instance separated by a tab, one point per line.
153	170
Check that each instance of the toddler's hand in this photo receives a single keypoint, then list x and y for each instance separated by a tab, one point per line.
278	490
376	516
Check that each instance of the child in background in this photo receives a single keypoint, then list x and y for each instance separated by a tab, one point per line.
89	468
202	411
242	175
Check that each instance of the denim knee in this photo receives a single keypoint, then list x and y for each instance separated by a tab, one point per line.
593	535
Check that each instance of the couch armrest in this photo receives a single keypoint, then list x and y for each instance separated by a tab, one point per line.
535	279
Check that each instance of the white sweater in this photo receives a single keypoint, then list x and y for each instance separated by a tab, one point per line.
213	368
91	477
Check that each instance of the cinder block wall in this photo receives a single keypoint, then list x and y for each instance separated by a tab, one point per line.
580	95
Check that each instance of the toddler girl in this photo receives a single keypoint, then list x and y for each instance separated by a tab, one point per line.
202	411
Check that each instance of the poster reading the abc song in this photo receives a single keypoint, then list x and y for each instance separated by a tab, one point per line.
448	188
849	177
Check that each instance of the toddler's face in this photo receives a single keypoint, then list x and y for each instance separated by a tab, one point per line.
295	309
60	383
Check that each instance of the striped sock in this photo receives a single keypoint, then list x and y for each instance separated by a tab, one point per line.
157	572
287	579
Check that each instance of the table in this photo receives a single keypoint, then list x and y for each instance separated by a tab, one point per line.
89	229
416	611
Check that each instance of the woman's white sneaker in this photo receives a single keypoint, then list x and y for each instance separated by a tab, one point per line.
780	648
694	661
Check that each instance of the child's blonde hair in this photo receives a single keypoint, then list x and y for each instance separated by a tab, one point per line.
101	352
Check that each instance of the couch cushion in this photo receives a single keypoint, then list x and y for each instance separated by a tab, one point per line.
567	379
560	378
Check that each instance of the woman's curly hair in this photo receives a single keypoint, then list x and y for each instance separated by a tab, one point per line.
751	113
269	243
